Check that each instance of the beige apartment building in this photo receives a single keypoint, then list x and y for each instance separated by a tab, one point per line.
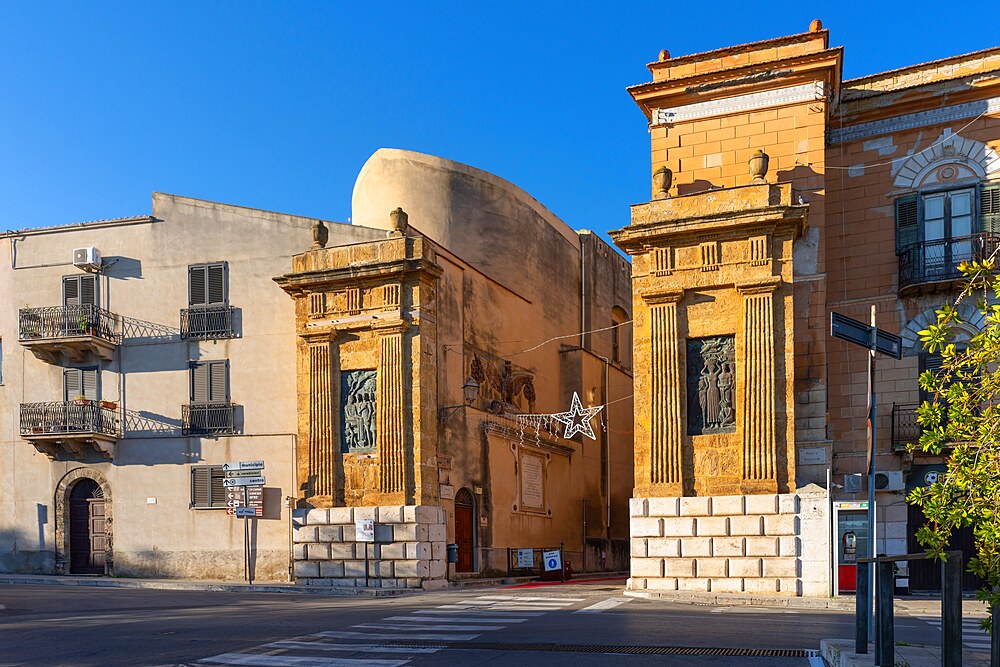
409	379
139	355
781	193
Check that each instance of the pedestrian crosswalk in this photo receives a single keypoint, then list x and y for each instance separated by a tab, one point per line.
972	636
398	639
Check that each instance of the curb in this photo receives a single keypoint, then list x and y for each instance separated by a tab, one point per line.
288	589
735	600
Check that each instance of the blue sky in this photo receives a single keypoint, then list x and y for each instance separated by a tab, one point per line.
276	105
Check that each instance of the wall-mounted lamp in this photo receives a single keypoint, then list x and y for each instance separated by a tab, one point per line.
470	391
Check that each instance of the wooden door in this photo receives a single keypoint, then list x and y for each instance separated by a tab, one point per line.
925	575
87	533
464	531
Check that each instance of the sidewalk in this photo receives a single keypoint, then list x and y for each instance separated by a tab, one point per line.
198	585
840	653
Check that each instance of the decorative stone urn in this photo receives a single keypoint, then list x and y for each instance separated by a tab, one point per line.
758	166
662	178
320	235
400	221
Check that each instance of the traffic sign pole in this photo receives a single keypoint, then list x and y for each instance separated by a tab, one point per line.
871	475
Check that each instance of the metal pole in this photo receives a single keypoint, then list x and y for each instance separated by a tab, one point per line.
860	612
562	561
951	611
584	540
366	563
995	641
886	633
246	550
871	467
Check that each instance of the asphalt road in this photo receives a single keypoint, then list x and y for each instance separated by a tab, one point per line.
560	625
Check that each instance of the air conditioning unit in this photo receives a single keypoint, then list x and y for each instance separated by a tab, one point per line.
889	481
88	259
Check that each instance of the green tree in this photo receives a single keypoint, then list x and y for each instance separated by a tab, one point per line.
962	419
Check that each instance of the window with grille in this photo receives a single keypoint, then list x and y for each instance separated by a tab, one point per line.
207	490
81	382
210	410
80	290
207	285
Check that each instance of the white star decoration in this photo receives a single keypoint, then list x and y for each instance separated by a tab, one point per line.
577	420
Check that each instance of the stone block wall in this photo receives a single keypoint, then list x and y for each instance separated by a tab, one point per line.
758	544
410	552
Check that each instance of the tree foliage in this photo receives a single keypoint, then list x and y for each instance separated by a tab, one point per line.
962	419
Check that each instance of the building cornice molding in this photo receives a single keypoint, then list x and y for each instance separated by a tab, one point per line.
914	120
806	92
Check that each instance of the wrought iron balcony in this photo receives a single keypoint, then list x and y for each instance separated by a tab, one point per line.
935	263
73	427
207	418
905	429
208	322
73	331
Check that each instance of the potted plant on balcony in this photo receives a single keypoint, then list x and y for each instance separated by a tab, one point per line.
31	323
80	399
84	324
109	405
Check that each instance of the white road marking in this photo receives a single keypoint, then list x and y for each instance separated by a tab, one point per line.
478	612
395	636
972	635
816	661
525	598
603	605
477	619
261	660
353	648
432	628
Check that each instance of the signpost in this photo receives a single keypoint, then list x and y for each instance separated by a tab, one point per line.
364	531
244	484
883	342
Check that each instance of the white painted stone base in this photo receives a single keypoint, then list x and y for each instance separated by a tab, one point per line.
758	544
410	554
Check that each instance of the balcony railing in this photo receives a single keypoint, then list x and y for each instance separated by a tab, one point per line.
59	418
207	418
68	322
905	429
937	261
208	322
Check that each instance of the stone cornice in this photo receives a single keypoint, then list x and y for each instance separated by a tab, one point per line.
767	286
661	296
804	92
717	213
543	441
914	120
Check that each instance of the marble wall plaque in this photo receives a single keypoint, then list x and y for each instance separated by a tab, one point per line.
532	482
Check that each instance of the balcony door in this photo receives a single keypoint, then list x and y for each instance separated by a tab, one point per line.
79	296
947	230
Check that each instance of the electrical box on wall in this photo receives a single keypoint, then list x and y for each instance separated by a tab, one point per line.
88	259
889	481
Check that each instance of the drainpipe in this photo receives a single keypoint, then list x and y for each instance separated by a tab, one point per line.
583	292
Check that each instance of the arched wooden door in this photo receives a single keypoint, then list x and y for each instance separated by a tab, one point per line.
464	531
87	531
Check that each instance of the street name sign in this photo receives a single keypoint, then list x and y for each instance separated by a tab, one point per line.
245	512
859	333
243	481
243	465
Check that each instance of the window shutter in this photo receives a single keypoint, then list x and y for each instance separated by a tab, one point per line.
72	383
216	282
218	382
201	486
218	492
197	281
989	208
906	222
88	290
71	291
199	382
89	382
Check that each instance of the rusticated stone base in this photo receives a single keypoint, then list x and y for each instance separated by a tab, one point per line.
758	544
409	553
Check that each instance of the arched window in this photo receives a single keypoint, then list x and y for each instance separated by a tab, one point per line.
618	317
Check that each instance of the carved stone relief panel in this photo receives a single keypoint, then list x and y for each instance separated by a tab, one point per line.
357	411
711	385
508	387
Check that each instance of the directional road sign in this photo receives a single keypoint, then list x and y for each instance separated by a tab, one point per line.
236	511
243	465
243	473
860	333
243	481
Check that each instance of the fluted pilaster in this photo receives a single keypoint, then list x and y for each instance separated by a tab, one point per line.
759	442
665	424
323	449
390	434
